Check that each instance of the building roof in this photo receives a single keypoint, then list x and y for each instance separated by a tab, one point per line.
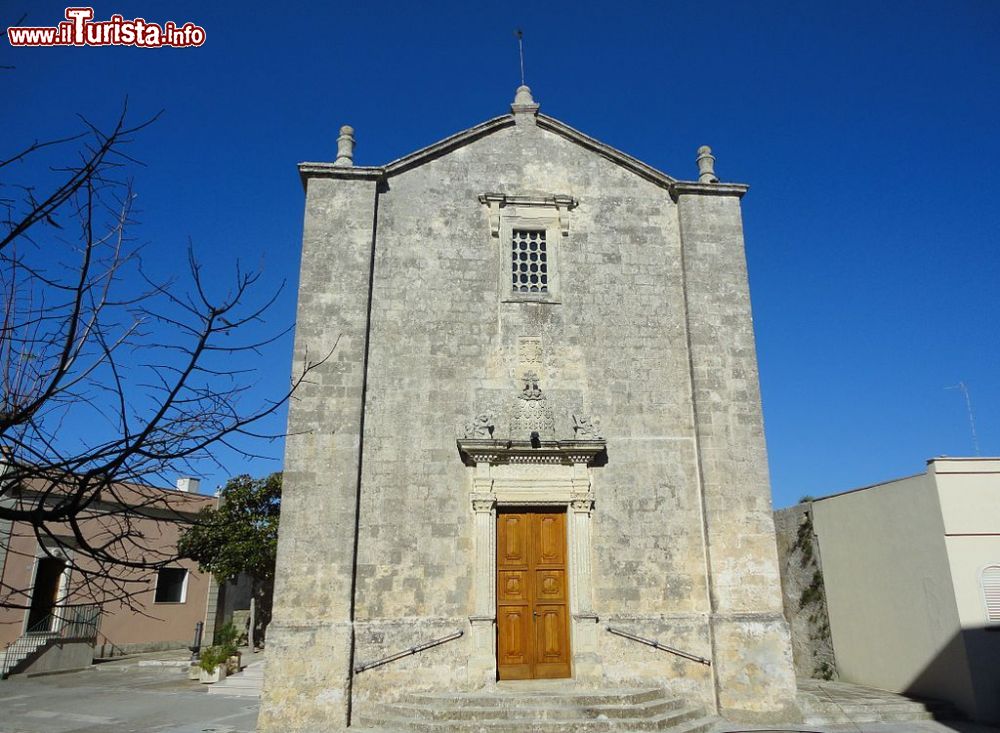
151	500
309	170
939	464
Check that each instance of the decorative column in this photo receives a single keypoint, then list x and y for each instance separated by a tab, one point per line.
482	662
586	663
580	581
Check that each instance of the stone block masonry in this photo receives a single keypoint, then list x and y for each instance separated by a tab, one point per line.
623	393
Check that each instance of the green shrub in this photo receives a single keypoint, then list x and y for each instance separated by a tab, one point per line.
212	657
226	637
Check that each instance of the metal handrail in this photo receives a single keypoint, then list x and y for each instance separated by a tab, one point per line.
359	668
657	645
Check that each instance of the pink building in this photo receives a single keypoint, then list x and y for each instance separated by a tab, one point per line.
54	613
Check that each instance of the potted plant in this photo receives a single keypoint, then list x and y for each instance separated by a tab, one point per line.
213	664
226	637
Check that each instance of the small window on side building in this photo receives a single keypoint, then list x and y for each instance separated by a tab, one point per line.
991	593
171	585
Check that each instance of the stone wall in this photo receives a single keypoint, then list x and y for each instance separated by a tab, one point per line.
445	345
803	593
750	638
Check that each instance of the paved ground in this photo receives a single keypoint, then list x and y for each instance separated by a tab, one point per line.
120	698
124	697
922	726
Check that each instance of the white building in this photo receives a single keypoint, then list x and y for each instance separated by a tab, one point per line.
911	570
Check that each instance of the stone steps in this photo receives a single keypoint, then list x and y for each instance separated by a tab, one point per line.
833	703
880	713
247	683
540	711
537	712
19	650
513	694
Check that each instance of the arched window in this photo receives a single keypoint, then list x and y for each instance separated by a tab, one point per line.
991	593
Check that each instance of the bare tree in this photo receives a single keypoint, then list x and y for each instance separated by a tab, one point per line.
112	380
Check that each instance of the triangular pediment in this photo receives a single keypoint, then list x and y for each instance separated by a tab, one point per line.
477	132
544	122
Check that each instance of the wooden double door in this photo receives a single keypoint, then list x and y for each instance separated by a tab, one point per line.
532	599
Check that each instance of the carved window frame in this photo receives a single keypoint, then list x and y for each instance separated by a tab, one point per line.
549	214
534	221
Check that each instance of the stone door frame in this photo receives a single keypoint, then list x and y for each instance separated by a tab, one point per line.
519	474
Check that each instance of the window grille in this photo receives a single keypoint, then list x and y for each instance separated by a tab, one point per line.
529	262
991	593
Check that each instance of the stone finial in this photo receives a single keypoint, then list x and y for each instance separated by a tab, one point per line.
523	96
524	107
345	147
706	165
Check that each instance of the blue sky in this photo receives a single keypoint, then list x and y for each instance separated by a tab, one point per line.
867	131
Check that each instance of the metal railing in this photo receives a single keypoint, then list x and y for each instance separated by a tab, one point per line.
82	623
358	668
657	645
78	623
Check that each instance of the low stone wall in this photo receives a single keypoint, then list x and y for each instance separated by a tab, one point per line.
108	650
62	656
803	594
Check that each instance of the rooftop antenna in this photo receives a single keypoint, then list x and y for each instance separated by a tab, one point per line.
972	420
520	50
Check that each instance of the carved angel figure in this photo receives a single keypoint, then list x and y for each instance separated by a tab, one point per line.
480	427
587	428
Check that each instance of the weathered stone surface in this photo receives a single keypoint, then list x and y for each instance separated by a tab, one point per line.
803	594
753	668
646	326
306	683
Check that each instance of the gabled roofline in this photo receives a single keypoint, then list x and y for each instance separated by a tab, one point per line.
448	144
605	151
329	170
418	157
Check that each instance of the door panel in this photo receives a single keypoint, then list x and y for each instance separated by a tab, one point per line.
513	540
532	612
551	539
512	588
550	586
514	649
551	642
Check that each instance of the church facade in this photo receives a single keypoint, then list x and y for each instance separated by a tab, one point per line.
536	441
